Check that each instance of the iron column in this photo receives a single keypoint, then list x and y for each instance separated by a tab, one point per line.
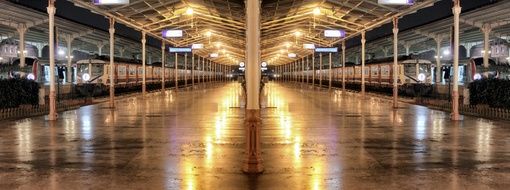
253	160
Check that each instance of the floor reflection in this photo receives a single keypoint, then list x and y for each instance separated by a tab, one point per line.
311	139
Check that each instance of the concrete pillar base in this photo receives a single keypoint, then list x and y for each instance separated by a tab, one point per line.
253	160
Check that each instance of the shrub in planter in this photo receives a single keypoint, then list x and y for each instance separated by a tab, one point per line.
492	92
16	92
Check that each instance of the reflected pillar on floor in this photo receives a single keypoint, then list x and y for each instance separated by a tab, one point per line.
252	122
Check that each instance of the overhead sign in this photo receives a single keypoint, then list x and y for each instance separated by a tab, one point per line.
180	50
309	46
326	50
334	33
172	33
241	64
292	55
395	2
264	64
214	55
197	46
110	2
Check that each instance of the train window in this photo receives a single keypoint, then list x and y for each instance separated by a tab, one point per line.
97	70
132	71
122	70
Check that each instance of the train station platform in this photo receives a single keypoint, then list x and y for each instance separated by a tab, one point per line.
311	139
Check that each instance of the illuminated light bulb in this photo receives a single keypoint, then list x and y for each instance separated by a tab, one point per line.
317	11
208	33
189	11
297	33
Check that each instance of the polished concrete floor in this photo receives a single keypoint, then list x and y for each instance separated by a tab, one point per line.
311	140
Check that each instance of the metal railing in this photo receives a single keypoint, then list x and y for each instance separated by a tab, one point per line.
37	110
68	103
472	110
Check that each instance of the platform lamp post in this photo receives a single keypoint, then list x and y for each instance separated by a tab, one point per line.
185	69
343	66
307	69
163	61
320	70
192	71
455	103
112	66
395	62
143	64
303	70
22	30
203	69
176	73
51	13
330	72
363	41
313	68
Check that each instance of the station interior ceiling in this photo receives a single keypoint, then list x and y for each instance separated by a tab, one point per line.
285	26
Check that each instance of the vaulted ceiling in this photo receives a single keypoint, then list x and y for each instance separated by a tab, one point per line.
285	24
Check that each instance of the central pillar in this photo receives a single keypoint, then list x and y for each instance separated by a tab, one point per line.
253	160
395	62
363	41
112	66
455	91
